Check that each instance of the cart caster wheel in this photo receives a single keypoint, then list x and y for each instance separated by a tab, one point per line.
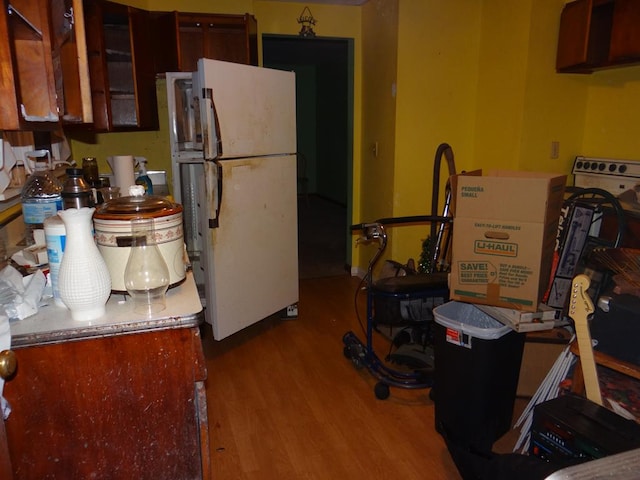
381	390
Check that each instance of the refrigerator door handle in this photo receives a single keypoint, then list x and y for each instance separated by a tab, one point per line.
213	191
210	126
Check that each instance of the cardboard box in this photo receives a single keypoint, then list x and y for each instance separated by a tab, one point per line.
542	319
504	231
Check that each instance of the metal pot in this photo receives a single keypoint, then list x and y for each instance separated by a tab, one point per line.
112	224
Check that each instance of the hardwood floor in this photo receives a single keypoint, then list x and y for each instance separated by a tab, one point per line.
284	403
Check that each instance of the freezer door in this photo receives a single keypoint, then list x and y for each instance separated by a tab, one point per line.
245	111
251	253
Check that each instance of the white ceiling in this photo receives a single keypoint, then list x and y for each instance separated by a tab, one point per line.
328	2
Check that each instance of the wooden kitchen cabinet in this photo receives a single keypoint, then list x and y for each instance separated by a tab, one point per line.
27	83
598	34
121	67
120	397
70	61
126	406
625	35
45	75
182	38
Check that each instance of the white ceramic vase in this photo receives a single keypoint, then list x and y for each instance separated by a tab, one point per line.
83	281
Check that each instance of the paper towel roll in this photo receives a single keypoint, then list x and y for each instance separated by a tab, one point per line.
123	171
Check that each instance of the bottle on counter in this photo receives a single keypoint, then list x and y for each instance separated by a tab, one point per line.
41	197
76	192
90	172
55	236
143	178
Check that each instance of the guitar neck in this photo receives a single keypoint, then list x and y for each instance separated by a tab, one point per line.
580	308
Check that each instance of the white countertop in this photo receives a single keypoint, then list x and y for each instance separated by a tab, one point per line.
54	324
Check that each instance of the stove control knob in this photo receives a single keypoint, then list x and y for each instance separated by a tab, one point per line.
601	167
579	164
586	165
612	167
622	169
594	166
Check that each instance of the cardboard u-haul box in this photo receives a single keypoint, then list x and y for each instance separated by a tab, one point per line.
504	230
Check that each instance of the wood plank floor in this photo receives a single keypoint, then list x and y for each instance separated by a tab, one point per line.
284	403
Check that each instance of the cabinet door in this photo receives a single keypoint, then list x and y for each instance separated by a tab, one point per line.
70	61
573	38
232	39
625	34
27	84
121	67
584	37
183	38
128	406
6	471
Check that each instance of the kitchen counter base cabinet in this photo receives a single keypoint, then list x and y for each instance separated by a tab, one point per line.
119	407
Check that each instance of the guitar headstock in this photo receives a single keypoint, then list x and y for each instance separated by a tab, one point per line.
580	304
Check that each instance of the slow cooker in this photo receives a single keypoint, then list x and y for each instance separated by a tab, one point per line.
112	224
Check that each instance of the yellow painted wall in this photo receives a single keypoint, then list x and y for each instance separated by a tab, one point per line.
554	105
373	176
489	67
523	105
612	119
438	54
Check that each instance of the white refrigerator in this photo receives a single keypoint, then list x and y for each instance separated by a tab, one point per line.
233	143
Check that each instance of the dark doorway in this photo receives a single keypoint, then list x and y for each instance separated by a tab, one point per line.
324	97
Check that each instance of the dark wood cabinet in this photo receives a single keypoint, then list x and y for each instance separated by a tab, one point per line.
123	406
45	78
121	67
6	472
625	35
27	83
70	61
598	34
182	38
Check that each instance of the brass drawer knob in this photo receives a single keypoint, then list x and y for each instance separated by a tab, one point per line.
8	363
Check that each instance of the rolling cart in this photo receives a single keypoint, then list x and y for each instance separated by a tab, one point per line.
404	304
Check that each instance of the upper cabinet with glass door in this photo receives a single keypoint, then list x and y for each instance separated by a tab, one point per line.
45	77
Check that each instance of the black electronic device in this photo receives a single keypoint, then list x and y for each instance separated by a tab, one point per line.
572	427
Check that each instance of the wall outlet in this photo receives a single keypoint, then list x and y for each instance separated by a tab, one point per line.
290	312
555	149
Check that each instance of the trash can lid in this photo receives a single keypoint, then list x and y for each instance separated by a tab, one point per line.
469	319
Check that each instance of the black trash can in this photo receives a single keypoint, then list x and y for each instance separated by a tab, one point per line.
477	365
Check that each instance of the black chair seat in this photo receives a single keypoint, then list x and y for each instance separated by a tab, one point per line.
413	283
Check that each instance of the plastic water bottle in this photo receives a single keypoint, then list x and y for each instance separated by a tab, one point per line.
41	198
55	235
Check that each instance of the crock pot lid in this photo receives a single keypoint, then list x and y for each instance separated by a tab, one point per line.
149	205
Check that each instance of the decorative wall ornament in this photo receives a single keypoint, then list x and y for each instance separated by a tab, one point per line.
308	22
